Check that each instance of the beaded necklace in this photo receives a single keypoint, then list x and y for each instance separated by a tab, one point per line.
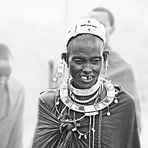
84	101
88	110
85	92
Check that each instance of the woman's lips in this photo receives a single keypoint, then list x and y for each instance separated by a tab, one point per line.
86	78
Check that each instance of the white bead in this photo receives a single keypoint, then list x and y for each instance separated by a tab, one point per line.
54	79
108	113
74	129
93	130
79	137
116	101
57	103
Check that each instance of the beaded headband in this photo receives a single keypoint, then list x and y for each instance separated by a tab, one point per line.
86	25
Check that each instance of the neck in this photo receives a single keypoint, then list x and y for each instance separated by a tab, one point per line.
86	92
98	96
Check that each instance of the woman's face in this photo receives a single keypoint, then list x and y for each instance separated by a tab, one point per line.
85	60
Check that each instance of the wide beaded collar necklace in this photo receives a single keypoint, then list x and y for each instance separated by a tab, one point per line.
85	92
93	109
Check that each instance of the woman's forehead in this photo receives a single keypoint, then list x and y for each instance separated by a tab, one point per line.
86	36
85	42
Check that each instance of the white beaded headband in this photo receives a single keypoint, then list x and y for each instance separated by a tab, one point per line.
86	25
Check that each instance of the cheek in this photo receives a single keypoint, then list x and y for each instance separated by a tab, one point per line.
74	69
98	68
71	69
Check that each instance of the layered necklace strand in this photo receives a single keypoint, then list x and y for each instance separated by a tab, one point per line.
86	92
89	109
96	90
68	97
84	101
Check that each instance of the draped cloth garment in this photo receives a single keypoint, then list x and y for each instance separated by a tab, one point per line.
11	129
121	73
117	131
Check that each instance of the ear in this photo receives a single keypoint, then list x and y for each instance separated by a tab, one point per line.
65	57
105	55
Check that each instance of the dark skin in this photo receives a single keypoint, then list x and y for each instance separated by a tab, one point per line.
85	60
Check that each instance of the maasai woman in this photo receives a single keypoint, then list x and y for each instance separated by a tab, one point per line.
87	111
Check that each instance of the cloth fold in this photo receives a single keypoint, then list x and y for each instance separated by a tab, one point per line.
118	130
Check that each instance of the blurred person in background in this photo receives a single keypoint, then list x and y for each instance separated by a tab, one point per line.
86	111
11	103
120	72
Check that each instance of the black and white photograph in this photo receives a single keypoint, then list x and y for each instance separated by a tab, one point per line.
73	73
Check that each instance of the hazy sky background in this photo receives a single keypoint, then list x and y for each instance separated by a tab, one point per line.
35	31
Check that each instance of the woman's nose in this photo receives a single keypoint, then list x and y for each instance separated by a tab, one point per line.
87	68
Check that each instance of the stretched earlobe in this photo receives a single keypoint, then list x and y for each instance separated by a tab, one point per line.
105	68
105	57
60	70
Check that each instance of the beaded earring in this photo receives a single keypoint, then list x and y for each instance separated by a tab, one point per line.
60	70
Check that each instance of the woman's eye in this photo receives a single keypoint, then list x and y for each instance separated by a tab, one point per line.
95	61
78	61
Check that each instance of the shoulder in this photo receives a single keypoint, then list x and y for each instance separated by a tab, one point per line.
125	99
48	96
